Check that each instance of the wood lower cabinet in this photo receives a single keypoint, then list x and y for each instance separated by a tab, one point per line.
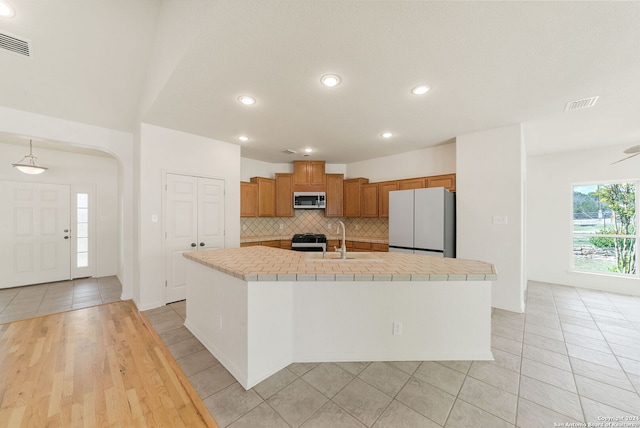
276	243
369	204
284	195
413	183
383	197
250	244
266	196
285	244
248	199
361	246
383	248
447	181
334	195
353	196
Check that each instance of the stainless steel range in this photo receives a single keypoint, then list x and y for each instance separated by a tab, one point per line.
309	242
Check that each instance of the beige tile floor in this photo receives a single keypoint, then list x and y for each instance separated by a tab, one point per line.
574	356
42	299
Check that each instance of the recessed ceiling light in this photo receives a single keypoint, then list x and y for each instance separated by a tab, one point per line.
246	100
6	11
330	80
243	138
420	90
387	135
308	150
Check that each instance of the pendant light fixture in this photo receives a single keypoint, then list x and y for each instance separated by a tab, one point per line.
28	164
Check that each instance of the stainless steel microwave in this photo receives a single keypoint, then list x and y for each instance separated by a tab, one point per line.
309	200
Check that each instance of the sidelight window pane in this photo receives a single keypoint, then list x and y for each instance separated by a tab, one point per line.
82	228
82	200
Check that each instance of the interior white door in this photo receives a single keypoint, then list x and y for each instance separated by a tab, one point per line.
210	213
34	233
194	219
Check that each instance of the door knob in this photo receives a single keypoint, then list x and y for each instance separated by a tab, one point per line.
66	237
193	244
66	230
202	244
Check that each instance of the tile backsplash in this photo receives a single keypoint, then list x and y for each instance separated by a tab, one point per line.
312	221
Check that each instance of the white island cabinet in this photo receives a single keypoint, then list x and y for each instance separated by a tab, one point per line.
259	309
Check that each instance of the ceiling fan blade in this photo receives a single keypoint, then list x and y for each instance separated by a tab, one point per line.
624	159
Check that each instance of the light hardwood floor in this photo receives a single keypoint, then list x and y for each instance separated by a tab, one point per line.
93	367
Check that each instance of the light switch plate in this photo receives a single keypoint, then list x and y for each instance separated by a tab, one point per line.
499	219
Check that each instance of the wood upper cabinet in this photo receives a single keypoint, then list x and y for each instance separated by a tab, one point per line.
266	196
369	204
284	195
352	196
383	197
412	183
447	181
309	173
334	195
248	199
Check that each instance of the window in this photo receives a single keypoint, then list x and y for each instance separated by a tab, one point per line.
82	230
605	228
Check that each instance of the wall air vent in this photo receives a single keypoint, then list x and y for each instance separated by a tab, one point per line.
289	151
580	104
15	44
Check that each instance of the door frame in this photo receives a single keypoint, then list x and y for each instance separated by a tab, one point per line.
162	215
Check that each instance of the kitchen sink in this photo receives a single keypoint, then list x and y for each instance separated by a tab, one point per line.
337	257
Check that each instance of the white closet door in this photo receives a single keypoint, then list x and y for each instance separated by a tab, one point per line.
34	233
181	231
194	220
210	213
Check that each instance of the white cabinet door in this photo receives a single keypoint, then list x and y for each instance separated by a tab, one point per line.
194	220
34	233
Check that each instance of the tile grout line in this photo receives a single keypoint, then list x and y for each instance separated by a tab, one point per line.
615	355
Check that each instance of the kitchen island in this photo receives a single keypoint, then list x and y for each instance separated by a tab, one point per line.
259	309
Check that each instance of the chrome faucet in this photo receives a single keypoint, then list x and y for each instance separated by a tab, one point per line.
343	248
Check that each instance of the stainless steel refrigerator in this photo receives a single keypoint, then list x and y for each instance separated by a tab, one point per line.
423	221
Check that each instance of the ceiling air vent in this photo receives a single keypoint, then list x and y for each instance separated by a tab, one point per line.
580	104
14	44
289	151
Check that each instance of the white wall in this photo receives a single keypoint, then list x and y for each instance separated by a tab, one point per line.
168	151
119	144
75	169
490	182
420	163
550	201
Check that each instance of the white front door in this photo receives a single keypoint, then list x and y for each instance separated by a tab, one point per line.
34	233
194	219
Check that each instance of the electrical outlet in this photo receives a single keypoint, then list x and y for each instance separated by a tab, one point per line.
397	328
244	227
329	226
281	226
357	226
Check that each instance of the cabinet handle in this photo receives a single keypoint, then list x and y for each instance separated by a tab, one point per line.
202	244
193	244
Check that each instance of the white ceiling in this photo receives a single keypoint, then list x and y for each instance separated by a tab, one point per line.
182	65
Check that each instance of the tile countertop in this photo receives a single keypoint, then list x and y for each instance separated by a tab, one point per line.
376	240
260	263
